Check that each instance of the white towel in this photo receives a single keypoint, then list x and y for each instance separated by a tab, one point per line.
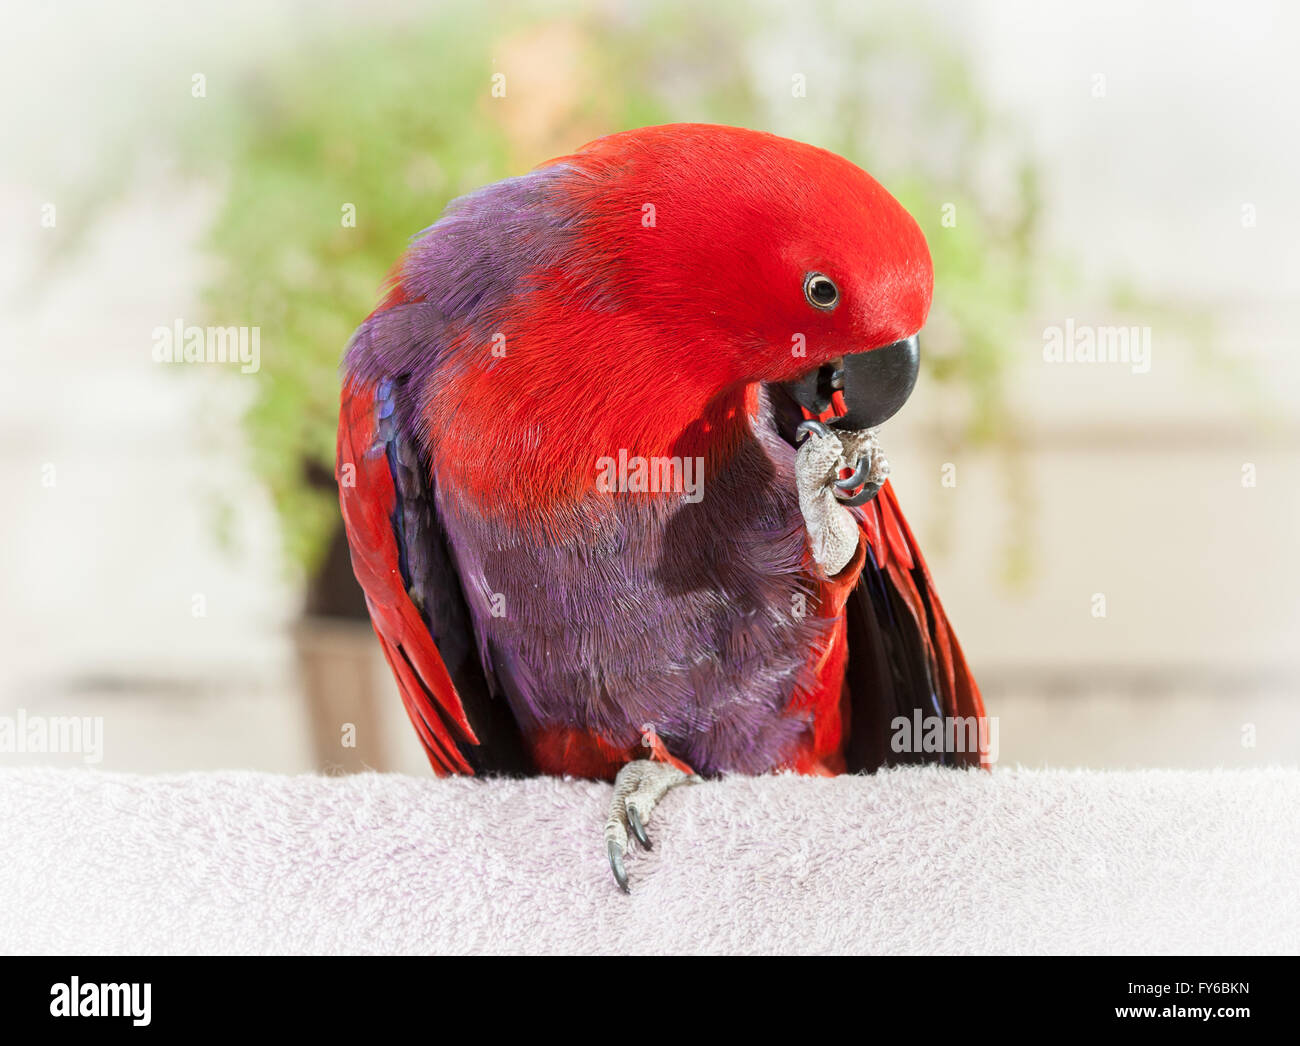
917	860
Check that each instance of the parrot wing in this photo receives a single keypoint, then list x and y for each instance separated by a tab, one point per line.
401	559
903	655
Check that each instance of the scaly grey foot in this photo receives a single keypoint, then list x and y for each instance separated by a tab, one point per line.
822	456
637	788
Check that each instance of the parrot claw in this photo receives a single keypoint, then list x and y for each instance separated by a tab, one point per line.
859	474
638	787
616	865
638	829
813	426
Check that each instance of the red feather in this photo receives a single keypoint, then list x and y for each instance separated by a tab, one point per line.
368	499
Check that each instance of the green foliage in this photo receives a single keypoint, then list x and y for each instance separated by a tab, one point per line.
391	124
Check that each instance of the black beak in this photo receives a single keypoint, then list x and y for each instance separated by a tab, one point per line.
875	384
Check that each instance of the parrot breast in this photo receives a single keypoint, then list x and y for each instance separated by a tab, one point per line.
642	614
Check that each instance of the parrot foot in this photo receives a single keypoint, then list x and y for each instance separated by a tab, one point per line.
823	457
637	788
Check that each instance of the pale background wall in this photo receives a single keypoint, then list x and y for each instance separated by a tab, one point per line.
1136	477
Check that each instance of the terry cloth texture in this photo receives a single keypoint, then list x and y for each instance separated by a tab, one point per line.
915	860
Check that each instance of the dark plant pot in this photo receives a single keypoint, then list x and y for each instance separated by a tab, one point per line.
339	669
344	694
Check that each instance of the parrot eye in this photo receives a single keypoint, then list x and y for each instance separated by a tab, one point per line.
820	291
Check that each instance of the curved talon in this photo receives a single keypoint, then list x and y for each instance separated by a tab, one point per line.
616	865
638	829
859	474
812	425
861	497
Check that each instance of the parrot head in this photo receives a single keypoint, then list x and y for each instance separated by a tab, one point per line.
797	268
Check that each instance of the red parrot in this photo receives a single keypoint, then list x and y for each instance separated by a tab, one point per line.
608	467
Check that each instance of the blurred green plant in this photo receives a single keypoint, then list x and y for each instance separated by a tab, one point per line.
389	125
